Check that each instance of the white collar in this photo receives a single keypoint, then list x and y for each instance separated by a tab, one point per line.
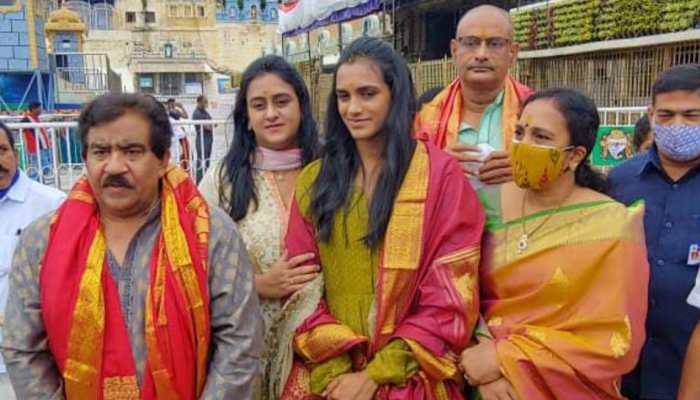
18	191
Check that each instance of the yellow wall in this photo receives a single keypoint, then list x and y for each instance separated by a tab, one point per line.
237	45
106	42
231	46
187	14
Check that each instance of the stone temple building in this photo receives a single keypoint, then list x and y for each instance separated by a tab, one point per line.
24	64
168	48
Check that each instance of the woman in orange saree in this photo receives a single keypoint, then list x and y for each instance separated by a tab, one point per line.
564	273
397	230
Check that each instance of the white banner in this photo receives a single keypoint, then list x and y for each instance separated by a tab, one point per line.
296	14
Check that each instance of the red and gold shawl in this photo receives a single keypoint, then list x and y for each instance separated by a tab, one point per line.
426	289
81	309
439	120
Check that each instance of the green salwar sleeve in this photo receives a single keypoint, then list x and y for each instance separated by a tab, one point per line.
394	364
324	372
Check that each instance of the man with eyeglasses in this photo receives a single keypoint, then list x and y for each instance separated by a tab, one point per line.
474	118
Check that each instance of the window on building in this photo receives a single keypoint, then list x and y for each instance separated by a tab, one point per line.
66	45
193	83
150	17
61	61
146	83
200	11
168	50
130	17
188	11
172	11
101	17
686	54
7	3
170	84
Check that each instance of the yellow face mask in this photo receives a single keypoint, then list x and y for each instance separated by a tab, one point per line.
535	166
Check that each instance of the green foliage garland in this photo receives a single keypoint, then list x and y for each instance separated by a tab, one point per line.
573	22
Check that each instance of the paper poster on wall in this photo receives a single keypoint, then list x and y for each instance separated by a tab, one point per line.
613	146
224	86
193	88
146	82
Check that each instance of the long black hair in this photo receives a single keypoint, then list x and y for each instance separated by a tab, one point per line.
341	162
582	122
238	163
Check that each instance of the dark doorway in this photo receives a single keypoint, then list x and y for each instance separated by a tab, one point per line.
439	29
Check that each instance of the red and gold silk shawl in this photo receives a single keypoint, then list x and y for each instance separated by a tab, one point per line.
81	309
427	291
438	121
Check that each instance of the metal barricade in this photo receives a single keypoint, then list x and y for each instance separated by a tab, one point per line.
617	116
51	152
44	117
195	163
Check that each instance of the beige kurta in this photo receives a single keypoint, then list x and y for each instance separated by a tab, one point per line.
263	230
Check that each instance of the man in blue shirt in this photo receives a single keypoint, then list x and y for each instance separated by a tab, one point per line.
690	385
667	178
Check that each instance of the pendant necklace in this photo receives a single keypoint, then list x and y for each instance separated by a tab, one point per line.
523	242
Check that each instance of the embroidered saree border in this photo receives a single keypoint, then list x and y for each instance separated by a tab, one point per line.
326	341
460	264
439	120
120	388
186	274
298	307
436	121
81	195
437	368
403	243
164	386
174	245
86	334
577	222
201	224
82	368
511	110
551	321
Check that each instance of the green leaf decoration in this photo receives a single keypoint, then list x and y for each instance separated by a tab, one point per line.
572	22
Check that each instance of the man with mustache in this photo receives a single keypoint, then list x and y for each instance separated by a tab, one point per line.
135	288
474	118
22	200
